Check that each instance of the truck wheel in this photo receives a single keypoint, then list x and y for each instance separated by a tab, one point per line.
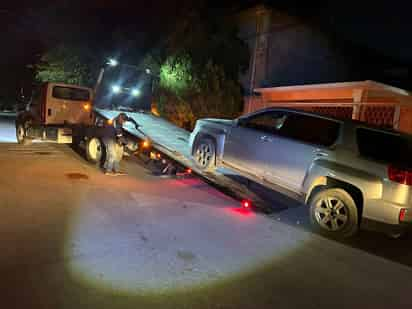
21	134
94	150
204	154
333	212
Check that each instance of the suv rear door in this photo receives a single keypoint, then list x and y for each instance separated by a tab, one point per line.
302	139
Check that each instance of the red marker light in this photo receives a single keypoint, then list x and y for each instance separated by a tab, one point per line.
245	204
189	171
402	215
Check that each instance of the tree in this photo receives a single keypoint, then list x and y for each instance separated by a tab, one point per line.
68	64
200	69
177	74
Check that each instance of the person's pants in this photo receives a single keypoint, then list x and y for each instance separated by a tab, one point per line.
114	154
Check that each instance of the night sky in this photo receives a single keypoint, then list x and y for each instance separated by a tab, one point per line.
381	32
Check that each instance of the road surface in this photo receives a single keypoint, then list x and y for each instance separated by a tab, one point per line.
74	238
7	128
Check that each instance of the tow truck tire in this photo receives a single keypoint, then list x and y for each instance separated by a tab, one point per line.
94	150
204	154
21	134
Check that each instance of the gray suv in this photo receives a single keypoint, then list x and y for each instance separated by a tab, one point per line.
348	173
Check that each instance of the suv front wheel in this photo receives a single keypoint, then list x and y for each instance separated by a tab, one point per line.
333	212
204	154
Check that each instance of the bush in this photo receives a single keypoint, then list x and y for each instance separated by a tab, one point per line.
187	93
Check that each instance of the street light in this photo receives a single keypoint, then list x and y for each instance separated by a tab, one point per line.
116	88
112	62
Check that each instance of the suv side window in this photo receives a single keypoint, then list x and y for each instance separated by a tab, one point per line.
310	129
388	147
268	122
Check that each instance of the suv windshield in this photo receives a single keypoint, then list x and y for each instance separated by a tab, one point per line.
384	146
68	93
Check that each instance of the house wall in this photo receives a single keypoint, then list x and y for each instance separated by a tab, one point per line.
405	120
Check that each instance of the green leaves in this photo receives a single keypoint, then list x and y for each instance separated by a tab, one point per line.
199	73
66	64
177	75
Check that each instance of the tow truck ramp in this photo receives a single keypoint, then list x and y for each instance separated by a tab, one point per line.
173	142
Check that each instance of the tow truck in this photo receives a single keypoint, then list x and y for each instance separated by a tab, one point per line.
80	116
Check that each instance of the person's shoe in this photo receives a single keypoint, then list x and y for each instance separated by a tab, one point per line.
120	173
109	174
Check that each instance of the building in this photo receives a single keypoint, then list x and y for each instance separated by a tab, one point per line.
368	101
286	51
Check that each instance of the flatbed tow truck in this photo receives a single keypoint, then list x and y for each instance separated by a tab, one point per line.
75	115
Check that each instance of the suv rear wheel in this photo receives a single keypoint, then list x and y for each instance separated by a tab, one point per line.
333	212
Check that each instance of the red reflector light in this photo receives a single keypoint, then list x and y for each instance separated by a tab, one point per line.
189	171
246	204
400	175
402	214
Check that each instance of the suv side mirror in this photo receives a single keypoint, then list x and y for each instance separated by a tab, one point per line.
240	122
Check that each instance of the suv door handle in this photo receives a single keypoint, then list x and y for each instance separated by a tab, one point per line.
265	138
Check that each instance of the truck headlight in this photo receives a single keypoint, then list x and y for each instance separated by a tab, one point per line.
135	92
116	88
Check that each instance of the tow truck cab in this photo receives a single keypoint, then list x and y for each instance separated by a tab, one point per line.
52	112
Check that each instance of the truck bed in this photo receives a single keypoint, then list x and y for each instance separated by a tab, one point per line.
165	136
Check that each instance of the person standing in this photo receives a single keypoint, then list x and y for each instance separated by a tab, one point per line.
114	144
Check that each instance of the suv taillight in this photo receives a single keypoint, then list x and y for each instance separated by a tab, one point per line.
400	175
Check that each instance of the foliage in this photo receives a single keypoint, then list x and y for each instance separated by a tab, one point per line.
187	93
196	68
67	64
199	74
176	74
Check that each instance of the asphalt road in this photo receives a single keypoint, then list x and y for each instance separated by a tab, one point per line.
7	128
71	237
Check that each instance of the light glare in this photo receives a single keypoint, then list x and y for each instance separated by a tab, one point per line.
116	89
112	62
135	92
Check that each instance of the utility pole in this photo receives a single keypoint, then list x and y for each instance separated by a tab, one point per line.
258	66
